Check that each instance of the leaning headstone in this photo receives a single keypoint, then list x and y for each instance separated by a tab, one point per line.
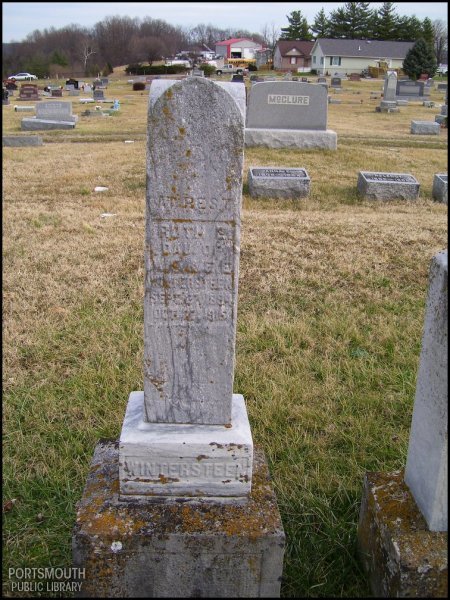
185	462
402	531
425	128
387	186
440	187
275	182
288	114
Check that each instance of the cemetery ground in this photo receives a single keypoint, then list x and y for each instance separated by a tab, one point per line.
331	302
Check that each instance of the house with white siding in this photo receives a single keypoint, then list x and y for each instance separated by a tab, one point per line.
243	48
330	56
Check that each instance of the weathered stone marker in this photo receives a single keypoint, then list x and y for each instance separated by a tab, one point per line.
402	531
389	104
425	128
387	186
440	188
192	257
426	465
196	523
275	182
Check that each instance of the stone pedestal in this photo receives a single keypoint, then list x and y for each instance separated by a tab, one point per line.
401	556
178	549
185	460
291	138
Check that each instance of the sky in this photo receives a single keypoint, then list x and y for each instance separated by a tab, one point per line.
22	18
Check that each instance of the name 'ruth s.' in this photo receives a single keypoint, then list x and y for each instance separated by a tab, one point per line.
287	99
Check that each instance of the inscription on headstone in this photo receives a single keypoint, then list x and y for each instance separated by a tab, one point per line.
387	186
287	105
275	182
192	256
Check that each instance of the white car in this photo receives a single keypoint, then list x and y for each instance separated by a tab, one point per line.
22	77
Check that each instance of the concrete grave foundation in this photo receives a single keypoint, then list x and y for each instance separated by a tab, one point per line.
402	557
291	138
200	549
34	124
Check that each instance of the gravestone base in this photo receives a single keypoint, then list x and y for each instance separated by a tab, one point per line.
185	460
425	128
291	138
402	102
34	124
402	558
22	140
138	549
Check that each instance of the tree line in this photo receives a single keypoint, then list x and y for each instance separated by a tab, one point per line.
121	40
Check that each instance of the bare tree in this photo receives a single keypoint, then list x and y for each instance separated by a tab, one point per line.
86	51
270	35
440	41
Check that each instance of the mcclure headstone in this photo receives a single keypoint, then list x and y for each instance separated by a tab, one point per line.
185	457
288	114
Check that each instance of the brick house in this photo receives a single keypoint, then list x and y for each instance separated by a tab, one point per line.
292	55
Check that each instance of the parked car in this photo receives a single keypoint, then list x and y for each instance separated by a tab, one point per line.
22	77
229	68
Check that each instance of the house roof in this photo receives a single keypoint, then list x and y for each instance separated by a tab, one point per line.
295	47
365	48
234	41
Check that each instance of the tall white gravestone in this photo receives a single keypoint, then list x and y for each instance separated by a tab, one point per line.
194	188
426	468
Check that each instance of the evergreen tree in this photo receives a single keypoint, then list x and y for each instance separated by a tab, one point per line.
321	25
415	28
353	21
338	23
386	22
420	59
298	27
428	32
